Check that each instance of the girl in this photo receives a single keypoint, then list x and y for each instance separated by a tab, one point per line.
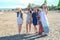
39	22
28	20
38	11
43	13
35	19
19	19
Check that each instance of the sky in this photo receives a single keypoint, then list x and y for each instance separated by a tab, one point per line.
24	3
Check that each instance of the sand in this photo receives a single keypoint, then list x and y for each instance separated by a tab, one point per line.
9	28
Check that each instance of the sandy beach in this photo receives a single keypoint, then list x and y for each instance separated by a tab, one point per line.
9	28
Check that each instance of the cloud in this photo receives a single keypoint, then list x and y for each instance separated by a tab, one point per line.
52	2
23	3
6	0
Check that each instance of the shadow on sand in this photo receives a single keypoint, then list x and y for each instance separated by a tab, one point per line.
22	37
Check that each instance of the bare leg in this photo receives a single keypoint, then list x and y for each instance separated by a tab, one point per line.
35	29
27	28
19	27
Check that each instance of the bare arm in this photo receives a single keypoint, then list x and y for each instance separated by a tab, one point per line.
46	10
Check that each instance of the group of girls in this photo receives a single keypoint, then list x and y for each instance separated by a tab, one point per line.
32	17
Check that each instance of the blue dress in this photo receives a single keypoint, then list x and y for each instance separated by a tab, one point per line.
35	18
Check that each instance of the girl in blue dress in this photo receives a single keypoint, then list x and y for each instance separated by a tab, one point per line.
35	19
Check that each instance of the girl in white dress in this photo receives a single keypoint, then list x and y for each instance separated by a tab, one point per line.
19	19
28	20
43	14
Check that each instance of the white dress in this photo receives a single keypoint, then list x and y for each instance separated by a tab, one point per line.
19	19
44	21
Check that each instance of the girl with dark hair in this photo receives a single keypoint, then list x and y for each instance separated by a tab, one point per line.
28	20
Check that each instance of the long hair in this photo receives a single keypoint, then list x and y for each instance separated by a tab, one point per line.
45	7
